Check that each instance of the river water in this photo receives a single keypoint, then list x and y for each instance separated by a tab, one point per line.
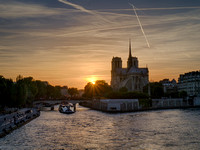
90	129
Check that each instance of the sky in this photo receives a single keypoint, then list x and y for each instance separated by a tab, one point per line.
72	42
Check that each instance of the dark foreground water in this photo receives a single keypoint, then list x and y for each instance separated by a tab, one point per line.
89	129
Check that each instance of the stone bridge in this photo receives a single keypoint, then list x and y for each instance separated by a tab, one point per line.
52	103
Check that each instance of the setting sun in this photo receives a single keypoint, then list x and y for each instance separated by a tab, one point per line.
92	79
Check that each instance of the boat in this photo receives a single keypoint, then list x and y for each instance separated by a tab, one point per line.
66	108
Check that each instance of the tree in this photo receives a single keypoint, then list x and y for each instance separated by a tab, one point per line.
42	89
89	90
73	91
50	91
31	88
99	89
57	92
6	87
123	90
19	77
26	90
21	93
156	89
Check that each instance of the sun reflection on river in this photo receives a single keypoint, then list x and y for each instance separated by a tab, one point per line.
89	129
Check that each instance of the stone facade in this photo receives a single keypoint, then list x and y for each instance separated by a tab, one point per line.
169	86
132	77
190	82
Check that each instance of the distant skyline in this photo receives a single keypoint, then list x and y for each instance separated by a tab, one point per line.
72	42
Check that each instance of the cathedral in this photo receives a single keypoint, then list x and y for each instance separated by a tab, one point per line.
132	77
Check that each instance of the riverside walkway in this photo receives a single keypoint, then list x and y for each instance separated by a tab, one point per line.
12	121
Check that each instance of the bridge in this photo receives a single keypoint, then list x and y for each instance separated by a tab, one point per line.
52	103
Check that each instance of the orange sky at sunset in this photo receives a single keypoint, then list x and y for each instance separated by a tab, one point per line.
73	43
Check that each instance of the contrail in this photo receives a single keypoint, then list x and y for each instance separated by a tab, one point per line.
162	8
84	10
140	24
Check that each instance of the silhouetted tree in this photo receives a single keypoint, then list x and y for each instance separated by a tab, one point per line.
21	93
73	91
24	91
42	89
89	90
6	89
50	91
57	92
99	89
31	88
156	89
123	89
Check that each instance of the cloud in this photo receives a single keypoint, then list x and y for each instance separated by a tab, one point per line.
73	43
144	9
92	12
19	10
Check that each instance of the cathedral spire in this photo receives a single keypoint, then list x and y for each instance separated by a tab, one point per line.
129	63
130	55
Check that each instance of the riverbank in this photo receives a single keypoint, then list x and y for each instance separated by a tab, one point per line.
134	105
139	110
10	122
89	129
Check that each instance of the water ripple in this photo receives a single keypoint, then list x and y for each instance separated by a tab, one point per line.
89	129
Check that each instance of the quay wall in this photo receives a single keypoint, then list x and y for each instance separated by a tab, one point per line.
132	105
168	103
10	122
113	105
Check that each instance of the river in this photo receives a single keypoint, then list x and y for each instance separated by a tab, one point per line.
90	129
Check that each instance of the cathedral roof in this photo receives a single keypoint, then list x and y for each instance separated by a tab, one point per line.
138	70
132	70
122	71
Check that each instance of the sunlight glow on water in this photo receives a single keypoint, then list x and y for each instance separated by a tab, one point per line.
89	129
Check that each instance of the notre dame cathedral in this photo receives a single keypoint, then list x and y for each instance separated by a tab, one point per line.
132	77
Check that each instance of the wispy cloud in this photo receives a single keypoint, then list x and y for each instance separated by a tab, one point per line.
159	8
67	42
92	12
18	9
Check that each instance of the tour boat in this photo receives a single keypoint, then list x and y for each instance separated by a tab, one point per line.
66	108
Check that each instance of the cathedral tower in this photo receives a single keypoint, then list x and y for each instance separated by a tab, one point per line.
132	77
132	61
116	64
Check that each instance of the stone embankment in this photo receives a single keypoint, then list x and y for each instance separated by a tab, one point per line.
10	122
132	105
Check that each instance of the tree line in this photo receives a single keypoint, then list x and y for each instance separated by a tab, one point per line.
101	89
25	90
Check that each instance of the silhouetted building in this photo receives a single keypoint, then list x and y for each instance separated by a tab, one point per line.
190	82
169	86
132	77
